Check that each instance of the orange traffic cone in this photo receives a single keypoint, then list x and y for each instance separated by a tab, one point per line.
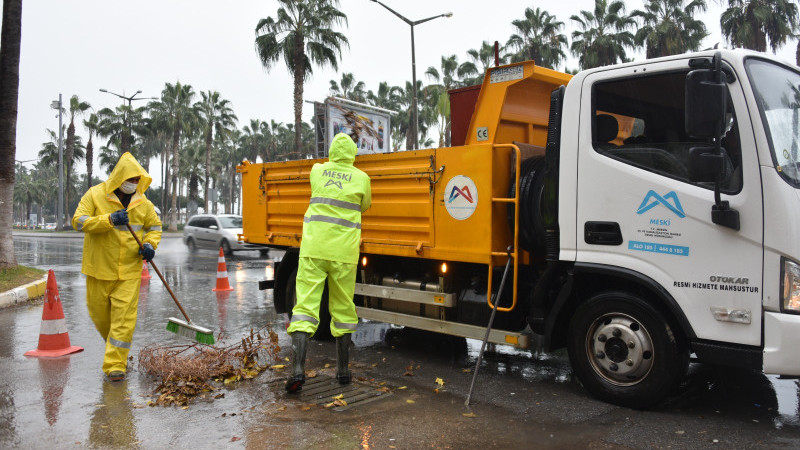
222	274
53	336
145	271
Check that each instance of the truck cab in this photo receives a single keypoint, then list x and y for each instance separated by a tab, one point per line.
658	271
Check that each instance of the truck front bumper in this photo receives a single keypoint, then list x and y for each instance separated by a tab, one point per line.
781	344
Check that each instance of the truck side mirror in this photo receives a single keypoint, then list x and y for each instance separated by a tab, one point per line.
705	165
706	102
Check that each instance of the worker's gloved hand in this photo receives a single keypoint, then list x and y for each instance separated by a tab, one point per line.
119	217
147	252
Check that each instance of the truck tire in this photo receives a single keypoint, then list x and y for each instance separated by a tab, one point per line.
624	351
324	329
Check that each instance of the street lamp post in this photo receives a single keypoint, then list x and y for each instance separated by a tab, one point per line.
56	104
126	138
412	23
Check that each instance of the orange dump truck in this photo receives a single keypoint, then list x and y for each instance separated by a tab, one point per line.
436	238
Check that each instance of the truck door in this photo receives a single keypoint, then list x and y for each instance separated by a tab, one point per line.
633	174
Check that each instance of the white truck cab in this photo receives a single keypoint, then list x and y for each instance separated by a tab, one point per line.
677	200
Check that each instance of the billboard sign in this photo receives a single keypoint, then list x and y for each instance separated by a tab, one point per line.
373	125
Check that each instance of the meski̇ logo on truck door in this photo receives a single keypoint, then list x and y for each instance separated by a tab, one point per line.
651	200
658	235
460	197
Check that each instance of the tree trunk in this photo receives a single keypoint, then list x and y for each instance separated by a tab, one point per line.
9	96
173	217
214	205
89	158
299	71
164	180
209	135
70	153
797	54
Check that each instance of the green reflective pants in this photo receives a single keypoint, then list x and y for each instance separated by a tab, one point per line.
311	276
112	307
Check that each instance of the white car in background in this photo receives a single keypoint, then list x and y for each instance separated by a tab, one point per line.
213	232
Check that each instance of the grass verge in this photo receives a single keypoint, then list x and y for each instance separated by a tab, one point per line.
18	276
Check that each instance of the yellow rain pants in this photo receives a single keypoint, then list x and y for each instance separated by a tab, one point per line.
114	302
311	276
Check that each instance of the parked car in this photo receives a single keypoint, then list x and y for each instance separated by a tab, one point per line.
50	226
212	232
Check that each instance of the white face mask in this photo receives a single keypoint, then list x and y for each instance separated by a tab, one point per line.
127	187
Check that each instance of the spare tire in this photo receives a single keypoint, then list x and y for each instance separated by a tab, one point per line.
531	187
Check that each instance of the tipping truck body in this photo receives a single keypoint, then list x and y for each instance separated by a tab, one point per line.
645	211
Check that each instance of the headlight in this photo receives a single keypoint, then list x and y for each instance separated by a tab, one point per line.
790	286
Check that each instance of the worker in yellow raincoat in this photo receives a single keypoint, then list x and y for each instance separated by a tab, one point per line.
329	251
112	260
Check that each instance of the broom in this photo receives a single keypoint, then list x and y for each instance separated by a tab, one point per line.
186	329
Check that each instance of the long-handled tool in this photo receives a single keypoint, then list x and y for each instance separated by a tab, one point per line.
488	328
175	325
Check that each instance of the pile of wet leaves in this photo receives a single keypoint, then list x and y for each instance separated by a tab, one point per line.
185	372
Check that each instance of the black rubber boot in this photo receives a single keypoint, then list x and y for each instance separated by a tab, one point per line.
343	359
299	344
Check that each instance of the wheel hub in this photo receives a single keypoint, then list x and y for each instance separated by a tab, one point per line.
620	349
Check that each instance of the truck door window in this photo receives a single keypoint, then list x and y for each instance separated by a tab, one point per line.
640	121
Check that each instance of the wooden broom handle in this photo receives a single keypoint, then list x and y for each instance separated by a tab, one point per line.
153	265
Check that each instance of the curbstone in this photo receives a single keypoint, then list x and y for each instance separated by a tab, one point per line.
24	293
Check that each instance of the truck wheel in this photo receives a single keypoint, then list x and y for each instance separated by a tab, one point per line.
624	351
324	329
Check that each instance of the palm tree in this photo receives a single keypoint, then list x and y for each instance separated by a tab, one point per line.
269	132
303	36
25	189
112	124
756	24
91	125
175	110
385	97
538	39
451	72
76	108
348	88
603	36
669	27
214	112
9	95
250	140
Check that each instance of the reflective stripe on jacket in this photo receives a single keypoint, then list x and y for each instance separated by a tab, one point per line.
110	252
339	194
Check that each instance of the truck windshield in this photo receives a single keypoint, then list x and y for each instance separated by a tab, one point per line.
778	92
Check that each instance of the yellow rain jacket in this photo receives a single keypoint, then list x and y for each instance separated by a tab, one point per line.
339	194
110	252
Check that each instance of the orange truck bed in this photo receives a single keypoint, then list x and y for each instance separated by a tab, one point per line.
445	203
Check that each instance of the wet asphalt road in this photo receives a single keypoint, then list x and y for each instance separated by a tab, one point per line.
522	399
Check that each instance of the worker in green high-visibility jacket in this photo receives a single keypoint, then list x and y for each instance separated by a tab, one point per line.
329	251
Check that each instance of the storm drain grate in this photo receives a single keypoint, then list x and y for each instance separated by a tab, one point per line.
322	389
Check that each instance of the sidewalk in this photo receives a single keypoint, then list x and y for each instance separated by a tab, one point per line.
23	293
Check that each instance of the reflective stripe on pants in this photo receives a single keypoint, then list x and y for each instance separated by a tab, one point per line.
311	276
113	306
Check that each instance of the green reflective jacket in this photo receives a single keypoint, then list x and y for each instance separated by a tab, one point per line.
339	194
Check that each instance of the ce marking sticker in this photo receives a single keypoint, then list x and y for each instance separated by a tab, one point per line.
483	133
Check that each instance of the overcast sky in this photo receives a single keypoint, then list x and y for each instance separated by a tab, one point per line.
77	47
